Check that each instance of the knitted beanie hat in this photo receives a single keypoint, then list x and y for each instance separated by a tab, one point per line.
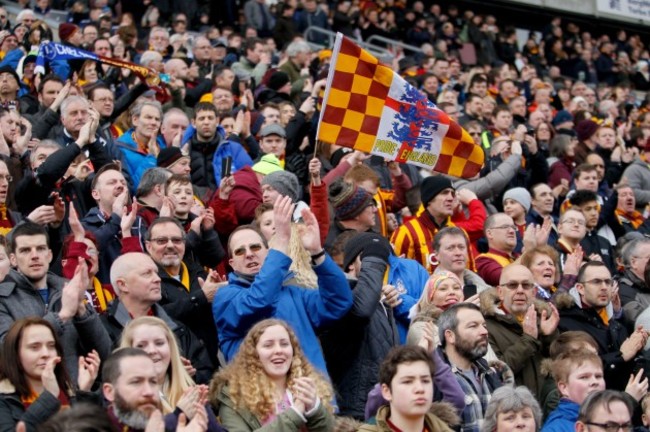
278	80
66	30
348	200
359	243
432	186
519	194
168	156
585	129
286	183
436	279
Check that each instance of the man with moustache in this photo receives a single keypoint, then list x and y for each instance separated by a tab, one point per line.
131	387
520	330
187	292
463	343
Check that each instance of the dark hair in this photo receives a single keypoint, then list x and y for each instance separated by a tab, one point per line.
601	398
583	168
471	96
177	178
162	220
11	367
445	232
28	229
582	196
90	92
246	227
588	265
150	179
112	366
448	320
83	417
400	355
47	78
499	109
249	44
113	166
205	106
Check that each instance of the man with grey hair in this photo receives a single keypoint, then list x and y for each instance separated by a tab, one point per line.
153	60
201	49
463	344
135	279
150	194
141	144
296	67
633	289
255	62
174	123
159	41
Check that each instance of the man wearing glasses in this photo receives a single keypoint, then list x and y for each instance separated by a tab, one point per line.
605	411
520	330
261	285
186	289
587	308
501	233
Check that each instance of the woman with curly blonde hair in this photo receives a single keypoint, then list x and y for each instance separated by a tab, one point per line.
271	385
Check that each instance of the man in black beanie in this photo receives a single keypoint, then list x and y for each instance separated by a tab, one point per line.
369	329
414	239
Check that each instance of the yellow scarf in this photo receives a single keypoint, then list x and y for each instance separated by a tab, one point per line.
185	276
103	297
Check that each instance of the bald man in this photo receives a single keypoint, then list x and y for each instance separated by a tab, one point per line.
135	279
519	333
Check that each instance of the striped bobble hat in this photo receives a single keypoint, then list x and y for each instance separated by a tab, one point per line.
348	200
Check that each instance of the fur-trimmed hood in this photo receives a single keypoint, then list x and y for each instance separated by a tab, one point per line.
490	304
570	299
430	313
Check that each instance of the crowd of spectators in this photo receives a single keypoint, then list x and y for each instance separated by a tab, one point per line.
178	252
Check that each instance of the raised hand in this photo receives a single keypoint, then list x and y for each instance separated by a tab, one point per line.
530	322
199	422
48	378
187	402
120	202
195	225
282	214
208	219
574	261
156	422
88	370
128	219
167	208
391	296
304	389
73	292
226	187
309	232
548	323
426	341
187	364
43	215
637	386
615	298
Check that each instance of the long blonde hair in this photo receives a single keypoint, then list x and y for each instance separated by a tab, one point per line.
177	380
301	260
250	387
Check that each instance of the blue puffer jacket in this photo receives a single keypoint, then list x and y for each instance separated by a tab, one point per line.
409	277
137	162
563	418
241	304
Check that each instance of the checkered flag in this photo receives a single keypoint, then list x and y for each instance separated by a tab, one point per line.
369	107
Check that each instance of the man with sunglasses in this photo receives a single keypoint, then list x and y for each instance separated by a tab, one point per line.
520	330
187	291
261	285
594	307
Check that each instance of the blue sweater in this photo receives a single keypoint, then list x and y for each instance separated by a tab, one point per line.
241	304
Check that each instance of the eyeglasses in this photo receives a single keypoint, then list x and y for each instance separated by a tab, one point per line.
512	285
606	282
574	221
475	133
255	247
612	426
505	227
162	241
6	177
105	100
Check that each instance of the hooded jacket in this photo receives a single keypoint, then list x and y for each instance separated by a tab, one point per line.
357	344
78	336
13	411
563	418
432	422
609	336
520	351
635	295
136	161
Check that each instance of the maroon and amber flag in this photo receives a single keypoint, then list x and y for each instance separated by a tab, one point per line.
369	107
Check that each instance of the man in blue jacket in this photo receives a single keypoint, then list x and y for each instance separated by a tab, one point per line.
261	286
